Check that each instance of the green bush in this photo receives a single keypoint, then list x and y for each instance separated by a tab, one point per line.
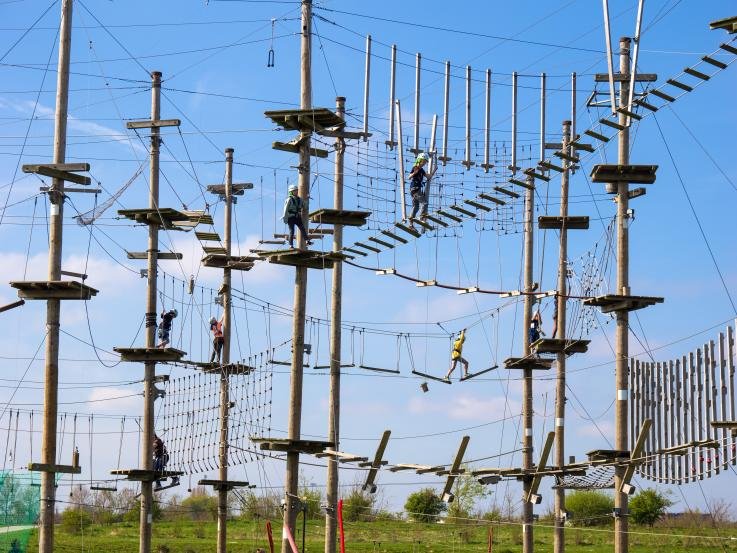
590	507
648	506
74	521
358	505
200	505
424	505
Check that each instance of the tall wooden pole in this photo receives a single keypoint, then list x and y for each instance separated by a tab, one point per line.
527	538
621	540
149	394
225	359
560	325
331	519
291	501
53	306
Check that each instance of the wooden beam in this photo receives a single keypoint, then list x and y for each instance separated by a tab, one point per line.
629	472
57	174
148	124
447	496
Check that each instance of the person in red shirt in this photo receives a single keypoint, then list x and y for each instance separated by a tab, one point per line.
216	327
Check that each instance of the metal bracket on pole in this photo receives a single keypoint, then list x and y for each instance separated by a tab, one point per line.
533	496
447	496
377	463
635	460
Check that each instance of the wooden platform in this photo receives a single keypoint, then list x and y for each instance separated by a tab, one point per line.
53	290
532	363
306	120
552	345
343	457
607	455
144	355
303	258
167	218
143	475
635	174
293	148
345	217
573	222
611	303
309	447
224	261
226	485
230	369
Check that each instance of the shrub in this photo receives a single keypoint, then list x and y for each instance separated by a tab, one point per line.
648	506
73	521
590	508
424	505
358	505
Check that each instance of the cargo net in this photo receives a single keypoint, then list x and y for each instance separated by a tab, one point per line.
596	478
192	417
19	505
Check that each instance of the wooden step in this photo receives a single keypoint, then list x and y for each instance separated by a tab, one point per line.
462	210
211	236
160	255
636	174
522	183
436	220
573	222
679	84
612	124
663	95
598	136
506	191
345	217
714	62
550	166
491	198
477	205
697	74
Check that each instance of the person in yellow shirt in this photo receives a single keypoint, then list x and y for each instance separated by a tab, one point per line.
457	355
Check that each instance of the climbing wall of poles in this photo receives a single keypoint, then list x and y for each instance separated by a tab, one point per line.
191	417
691	400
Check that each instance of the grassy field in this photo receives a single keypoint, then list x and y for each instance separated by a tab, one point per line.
387	536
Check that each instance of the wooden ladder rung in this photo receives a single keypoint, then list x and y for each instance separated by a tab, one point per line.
459	209
522	183
582	146
697	74
564	155
436	220
381	242
423	224
598	136
408	230
645	105
212	236
629	113
357	252
534	175
663	95
491	198
449	216
714	62
510	193
550	166
612	124
477	205
393	236
367	247
679	84
728	48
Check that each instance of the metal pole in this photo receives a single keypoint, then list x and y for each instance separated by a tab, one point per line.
446	108
53	306
400	151
225	359
527	412
573	106
513	166
560	334
418	64
609	61
467	162
542	116
487	122
621	539
151	311
291	505
366	82
392	87
635	51
331	515
431	166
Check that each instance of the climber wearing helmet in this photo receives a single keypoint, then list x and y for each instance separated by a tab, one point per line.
217	338
165	327
292	215
417	178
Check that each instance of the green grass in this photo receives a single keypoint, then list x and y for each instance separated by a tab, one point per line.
386	536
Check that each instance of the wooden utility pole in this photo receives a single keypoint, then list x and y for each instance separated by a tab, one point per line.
527	410
621	442
331	515
560	334
292	503
53	305
225	361
149	394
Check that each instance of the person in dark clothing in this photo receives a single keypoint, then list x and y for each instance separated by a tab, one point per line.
292	215
161	458
217	338
417	178
165	327
536	327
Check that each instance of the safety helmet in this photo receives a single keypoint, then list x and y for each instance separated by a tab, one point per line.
213	320
293	188
175	312
422	156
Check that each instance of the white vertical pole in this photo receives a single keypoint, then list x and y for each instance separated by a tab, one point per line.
487	122
610	65
418	64
444	158
635	52
400	152
392	83
513	166
367	80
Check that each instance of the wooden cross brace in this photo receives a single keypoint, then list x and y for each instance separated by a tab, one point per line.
447	496
377	463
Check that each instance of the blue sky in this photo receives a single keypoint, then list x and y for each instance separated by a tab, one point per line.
213	57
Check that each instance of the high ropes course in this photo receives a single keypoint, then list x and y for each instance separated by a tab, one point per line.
213	356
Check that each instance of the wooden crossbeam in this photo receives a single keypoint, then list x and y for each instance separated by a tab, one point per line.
532	496
13	305
635	460
148	124
57	469
447	496
53	172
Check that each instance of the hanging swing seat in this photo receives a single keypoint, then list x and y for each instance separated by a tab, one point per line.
345	217
60	469
431	377
103	488
145	475
159	255
166	217
554	345
469	376
146	355
224	261
532	363
309	447
53	290
224	485
612	303
378	369
634	174
551	222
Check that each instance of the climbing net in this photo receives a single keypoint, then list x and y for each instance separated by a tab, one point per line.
597	478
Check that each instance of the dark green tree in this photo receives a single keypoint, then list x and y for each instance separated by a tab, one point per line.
424	505
648	506
590	507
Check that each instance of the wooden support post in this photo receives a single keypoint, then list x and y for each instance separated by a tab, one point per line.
672	439
685	415
712	392
513	165
446	113
366	88
610	64
400	159
693	408
336	313
418	73
53	306
559	508
650	414
487	124
659	418
678	414
634	367
392	91
467	163
294	428
700	406
621	537
724	434
731	371
527	410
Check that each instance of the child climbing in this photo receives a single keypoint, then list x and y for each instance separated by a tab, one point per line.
457	355
536	329
418	178
292	215
217	338
161	458
165	327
